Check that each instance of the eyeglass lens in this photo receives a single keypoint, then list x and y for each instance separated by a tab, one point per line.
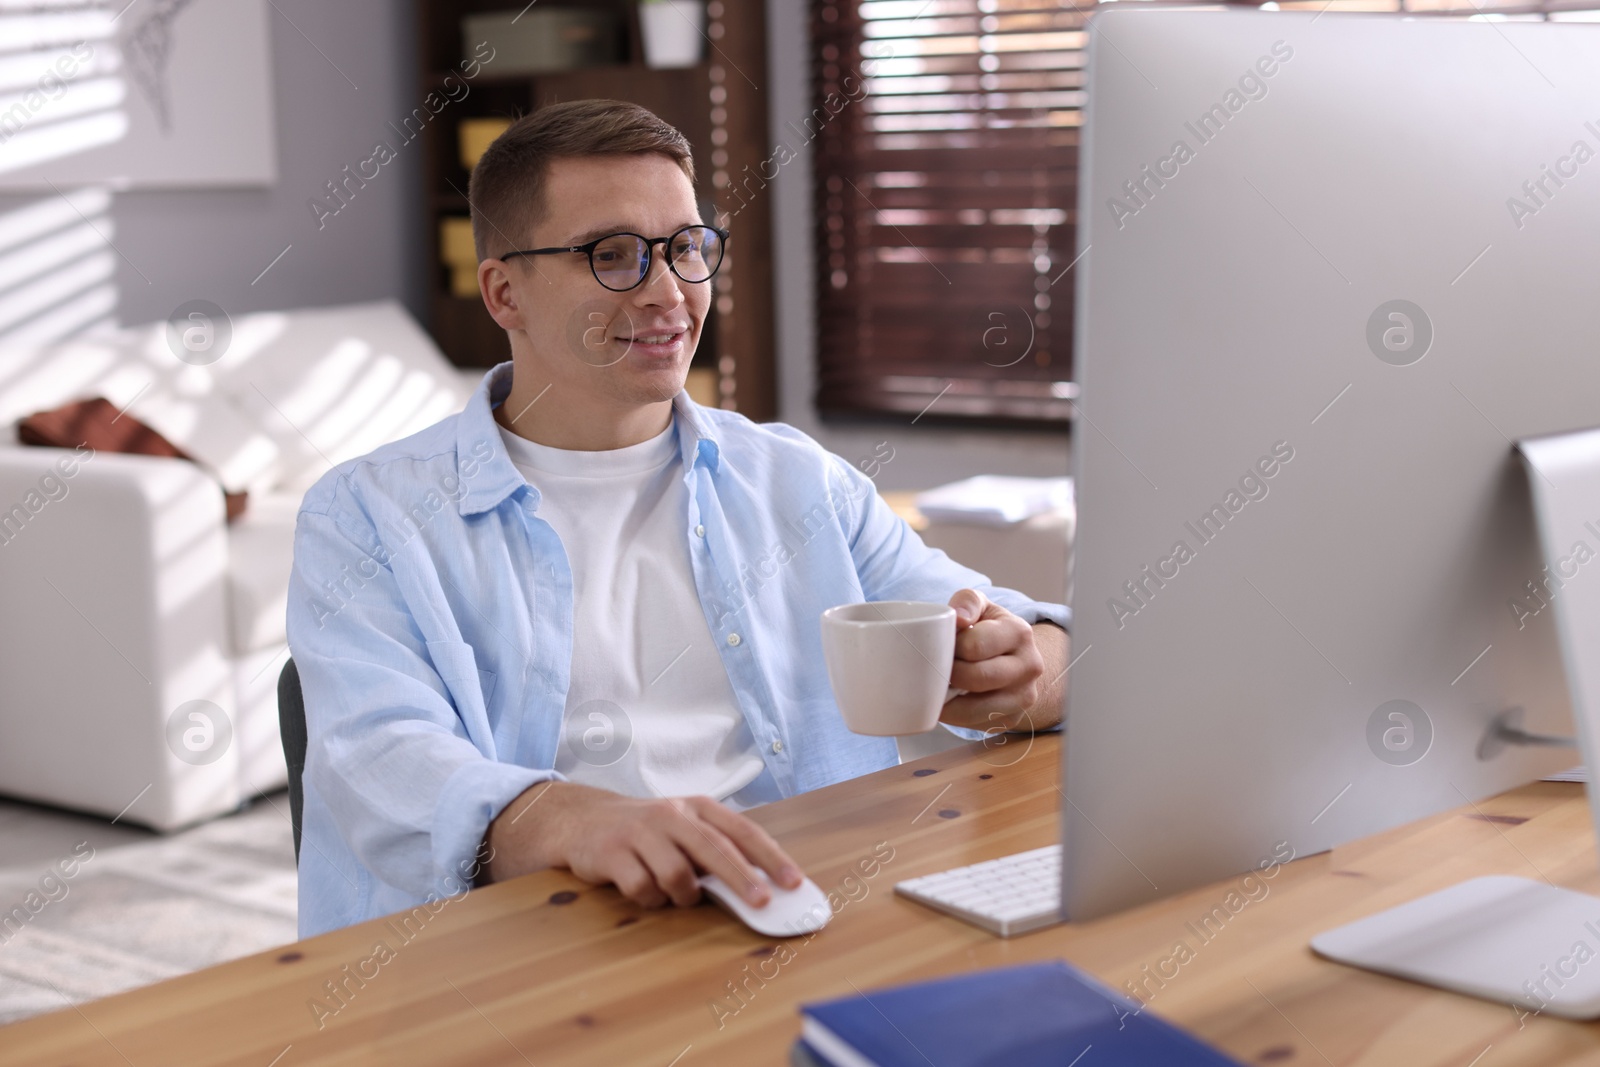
622	261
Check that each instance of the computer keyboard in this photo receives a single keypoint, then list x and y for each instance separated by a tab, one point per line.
1010	895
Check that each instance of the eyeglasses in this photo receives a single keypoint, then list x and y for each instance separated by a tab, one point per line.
621	261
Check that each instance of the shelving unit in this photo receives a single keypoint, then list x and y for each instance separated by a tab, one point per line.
719	107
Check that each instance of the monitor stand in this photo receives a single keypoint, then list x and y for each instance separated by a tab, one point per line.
1515	940
1502	938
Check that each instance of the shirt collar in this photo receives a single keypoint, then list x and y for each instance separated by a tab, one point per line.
695	438
486	471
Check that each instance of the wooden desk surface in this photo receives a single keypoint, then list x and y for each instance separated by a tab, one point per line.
543	970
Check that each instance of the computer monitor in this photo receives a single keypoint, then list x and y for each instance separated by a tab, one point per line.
1332	267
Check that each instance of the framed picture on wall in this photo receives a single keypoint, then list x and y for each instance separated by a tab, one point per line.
152	94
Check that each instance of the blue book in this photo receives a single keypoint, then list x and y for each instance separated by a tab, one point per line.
1038	1015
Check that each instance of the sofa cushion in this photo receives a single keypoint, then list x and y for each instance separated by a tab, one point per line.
260	554
331	384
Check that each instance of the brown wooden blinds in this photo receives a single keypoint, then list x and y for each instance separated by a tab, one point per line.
945	142
945	145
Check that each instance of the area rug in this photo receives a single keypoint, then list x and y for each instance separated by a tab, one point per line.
139	913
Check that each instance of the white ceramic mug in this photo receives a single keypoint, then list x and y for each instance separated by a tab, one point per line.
889	663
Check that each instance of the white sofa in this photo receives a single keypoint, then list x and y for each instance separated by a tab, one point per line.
130	598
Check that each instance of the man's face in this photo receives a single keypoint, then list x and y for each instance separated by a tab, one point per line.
589	339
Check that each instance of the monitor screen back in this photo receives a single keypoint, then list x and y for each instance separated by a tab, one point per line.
1333	267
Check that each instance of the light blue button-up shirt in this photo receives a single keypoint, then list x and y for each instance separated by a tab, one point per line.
430	617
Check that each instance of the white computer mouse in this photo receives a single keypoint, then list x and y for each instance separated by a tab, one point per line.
788	912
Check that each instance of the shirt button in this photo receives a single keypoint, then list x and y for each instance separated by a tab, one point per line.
699	531
777	746
733	639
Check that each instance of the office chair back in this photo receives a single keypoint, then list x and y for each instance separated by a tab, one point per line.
292	728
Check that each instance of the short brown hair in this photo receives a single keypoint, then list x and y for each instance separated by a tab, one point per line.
507	188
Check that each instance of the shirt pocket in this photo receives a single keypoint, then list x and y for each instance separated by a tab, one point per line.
486	682
470	688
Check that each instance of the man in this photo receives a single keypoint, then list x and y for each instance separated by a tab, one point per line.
577	625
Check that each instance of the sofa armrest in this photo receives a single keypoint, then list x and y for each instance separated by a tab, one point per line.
116	565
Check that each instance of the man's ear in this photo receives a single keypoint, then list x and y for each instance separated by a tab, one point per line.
499	297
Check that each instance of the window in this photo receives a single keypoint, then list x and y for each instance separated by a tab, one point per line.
946	150
946	160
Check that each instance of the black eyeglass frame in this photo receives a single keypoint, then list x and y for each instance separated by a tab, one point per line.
649	253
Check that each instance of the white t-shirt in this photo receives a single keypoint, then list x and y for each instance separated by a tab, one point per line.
649	709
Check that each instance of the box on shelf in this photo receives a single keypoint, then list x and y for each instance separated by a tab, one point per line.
464	280
458	253
545	39
475	135
455	240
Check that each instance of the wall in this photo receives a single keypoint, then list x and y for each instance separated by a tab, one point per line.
923	456
341	73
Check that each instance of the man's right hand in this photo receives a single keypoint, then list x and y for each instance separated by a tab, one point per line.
652	850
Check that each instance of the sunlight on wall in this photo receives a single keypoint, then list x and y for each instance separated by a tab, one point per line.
61	86
57	268
61	92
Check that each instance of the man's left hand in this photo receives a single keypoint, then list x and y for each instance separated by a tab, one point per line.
1014	674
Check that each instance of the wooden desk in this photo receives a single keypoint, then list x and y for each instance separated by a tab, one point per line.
545	971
